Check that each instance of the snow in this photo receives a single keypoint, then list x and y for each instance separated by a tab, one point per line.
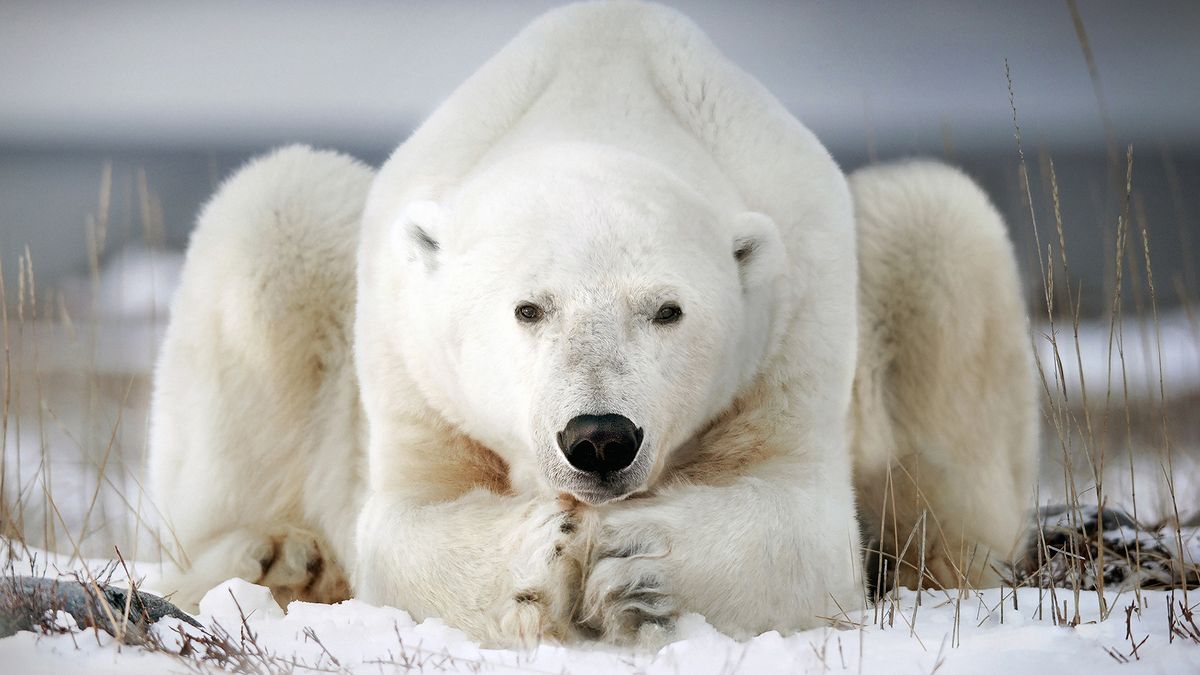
136	282
235	598
992	631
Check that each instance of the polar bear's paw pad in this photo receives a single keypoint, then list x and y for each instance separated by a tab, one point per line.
296	567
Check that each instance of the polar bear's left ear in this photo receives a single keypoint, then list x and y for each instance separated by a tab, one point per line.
757	248
416	234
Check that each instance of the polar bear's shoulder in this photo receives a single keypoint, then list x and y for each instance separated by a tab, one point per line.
656	61
599	24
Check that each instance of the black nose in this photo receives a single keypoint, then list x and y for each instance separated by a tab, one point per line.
600	443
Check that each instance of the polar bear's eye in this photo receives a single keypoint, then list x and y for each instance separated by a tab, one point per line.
527	312
668	313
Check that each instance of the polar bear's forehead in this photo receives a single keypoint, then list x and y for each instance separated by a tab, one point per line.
571	194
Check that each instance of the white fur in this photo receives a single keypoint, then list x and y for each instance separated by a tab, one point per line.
605	162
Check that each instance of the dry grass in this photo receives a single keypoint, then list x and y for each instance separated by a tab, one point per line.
1103	445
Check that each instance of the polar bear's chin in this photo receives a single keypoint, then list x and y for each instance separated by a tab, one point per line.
593	490
596	498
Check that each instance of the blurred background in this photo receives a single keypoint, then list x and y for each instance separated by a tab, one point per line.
119	119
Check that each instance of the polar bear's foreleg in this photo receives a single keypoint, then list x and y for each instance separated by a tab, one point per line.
502	568
773	550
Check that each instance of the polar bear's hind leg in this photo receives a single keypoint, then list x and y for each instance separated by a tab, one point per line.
250	388
945	405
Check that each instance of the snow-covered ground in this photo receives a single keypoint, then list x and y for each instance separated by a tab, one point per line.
77	427
994	631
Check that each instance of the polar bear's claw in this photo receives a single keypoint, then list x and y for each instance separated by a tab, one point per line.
525	621
627	596
545	568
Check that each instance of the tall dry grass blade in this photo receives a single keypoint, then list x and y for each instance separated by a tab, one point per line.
9	529
15	395
112	441
44	471
150	211
1110	135
1167	445
1060	413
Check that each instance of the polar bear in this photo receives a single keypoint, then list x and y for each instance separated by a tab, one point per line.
598	345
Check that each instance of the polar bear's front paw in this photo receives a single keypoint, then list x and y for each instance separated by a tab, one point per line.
627	596
545	571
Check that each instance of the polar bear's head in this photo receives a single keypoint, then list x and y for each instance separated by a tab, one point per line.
584	312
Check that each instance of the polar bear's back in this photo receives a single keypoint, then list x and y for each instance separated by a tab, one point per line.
643	78
606	87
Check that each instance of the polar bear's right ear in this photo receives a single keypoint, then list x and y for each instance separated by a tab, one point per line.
757	248
416	234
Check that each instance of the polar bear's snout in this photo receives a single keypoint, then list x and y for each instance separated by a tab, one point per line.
600	444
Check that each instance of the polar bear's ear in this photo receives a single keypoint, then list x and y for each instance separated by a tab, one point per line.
416	234
757	248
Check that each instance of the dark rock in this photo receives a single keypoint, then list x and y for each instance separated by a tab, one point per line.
30	602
